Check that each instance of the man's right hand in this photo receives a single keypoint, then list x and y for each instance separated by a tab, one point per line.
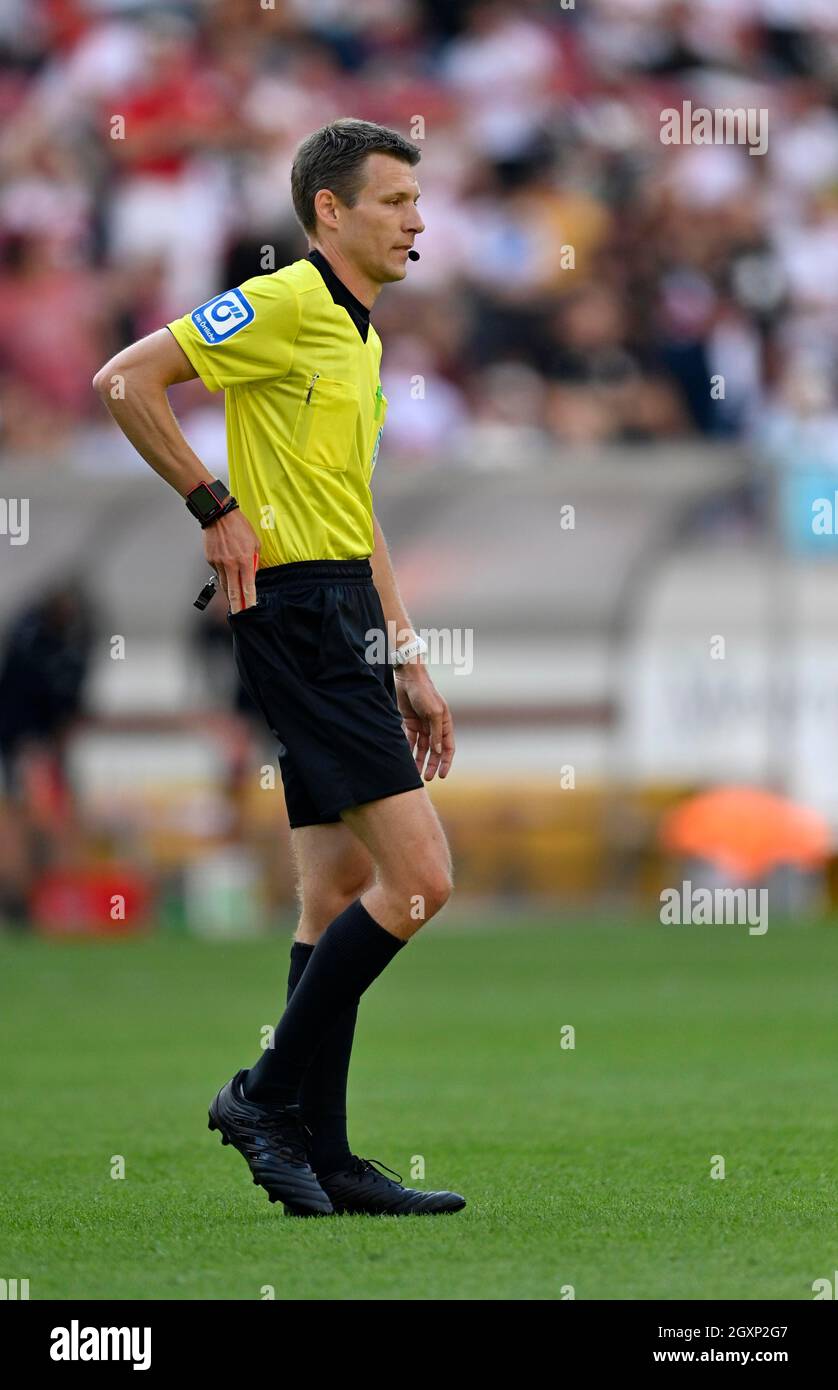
144	372
232	546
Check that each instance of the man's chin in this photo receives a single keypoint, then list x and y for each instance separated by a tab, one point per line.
387	274
391	267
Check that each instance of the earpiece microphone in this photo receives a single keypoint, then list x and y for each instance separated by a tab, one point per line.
413	255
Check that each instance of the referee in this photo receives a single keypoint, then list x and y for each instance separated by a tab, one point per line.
305	569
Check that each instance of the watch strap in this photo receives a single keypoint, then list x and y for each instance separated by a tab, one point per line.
402	655
228	507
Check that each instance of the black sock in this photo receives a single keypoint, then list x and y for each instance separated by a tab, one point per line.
351	953
323	1090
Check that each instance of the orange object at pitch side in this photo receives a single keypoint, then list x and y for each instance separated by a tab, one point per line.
746	830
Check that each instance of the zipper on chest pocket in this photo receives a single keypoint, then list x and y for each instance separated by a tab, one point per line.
325	429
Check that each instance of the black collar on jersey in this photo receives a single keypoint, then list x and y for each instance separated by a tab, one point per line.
358	312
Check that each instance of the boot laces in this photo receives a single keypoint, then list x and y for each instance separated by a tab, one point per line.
365	1165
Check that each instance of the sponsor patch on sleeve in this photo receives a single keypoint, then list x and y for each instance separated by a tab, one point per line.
223	316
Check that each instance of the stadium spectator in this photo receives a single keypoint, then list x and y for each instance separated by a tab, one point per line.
551	199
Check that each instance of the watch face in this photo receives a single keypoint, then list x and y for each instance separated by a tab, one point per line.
205	501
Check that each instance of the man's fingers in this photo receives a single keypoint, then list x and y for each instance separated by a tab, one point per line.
238	582
222	577
440	761
436	722
246	587
448	747
414	733
231	546
422	746
234	589
435	741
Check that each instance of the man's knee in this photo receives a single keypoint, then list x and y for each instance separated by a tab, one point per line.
413	861
425	892
438	890
435	881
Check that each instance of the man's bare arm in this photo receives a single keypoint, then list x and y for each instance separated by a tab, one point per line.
133	386
385	582
426	714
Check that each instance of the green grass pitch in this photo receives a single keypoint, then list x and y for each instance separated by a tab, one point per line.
586	1167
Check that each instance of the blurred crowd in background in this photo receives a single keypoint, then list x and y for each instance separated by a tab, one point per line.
581	284
541	132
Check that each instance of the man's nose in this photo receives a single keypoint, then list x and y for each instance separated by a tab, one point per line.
416	225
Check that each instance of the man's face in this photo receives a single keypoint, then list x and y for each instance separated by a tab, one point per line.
377	233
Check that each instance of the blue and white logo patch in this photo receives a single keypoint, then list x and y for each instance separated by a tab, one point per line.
376	449
223	316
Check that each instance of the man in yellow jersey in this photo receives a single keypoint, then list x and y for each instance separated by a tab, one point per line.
302	561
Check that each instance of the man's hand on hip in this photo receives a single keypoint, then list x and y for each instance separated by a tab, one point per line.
232	548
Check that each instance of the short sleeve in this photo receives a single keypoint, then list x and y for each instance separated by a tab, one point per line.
244	335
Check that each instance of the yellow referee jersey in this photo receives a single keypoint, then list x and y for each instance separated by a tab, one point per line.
304	407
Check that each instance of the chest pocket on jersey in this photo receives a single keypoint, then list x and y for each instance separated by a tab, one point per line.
324	431
377	428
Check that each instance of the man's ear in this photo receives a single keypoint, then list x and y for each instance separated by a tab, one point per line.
325	205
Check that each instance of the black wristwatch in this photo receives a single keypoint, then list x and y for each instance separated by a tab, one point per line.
209	501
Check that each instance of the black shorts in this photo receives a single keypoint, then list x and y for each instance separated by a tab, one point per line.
302	655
